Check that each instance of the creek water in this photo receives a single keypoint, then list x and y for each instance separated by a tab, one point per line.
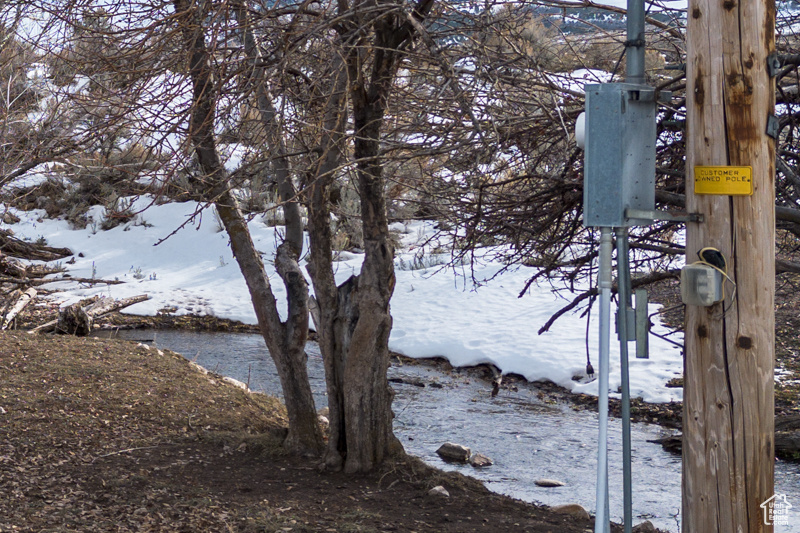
526	438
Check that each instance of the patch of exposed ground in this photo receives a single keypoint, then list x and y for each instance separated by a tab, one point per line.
101	435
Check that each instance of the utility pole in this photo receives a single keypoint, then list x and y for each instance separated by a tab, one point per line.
728	421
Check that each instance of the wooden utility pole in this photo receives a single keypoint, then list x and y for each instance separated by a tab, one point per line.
728	423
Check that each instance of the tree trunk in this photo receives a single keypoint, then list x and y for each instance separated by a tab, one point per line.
10	245
367	396
340	330
728	452
285	341
354	339
336	311
354	319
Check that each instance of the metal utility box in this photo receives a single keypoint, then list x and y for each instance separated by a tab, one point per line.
701	285
620	154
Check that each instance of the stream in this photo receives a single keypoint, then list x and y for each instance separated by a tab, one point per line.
526	438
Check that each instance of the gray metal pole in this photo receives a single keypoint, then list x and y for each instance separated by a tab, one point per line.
634	73
634	55
623	293
601	522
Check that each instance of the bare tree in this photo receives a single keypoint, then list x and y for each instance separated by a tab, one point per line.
244	55
501	170
355	319
459	113
285	339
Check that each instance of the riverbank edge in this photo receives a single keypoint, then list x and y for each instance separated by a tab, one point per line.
667	415
113	435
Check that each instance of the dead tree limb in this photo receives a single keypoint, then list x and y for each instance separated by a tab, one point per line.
98	309
26	250
23	300
105	306
11	267
37	282
89	281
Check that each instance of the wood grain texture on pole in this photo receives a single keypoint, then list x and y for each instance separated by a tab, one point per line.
728	459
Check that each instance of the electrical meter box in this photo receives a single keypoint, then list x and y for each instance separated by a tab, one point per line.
620	153
701	285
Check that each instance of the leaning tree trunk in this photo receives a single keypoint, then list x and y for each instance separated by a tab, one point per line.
285	341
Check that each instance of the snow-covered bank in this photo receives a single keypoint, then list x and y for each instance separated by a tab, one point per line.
436	313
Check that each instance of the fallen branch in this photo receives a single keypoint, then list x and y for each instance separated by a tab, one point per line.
24	299
89	281
105	306
12	267
37	282
25	250
128	450
97	309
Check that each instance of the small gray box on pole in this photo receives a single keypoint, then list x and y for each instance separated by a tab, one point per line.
620	155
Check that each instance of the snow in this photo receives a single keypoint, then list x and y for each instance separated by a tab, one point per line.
653	6
437	310
576	80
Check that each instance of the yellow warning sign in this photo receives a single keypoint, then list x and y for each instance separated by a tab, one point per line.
733	181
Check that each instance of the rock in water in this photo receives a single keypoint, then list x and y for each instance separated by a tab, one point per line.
572	509
645	527
455	453
440	491
549	483
479	461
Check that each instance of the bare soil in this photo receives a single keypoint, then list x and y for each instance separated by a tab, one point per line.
107	435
